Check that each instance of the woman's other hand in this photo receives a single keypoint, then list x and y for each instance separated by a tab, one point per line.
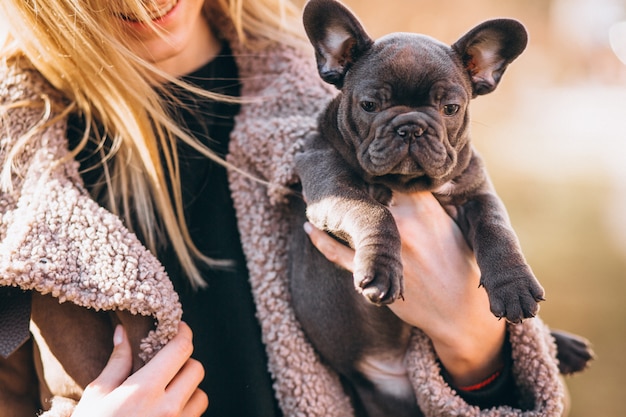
441	288
165	386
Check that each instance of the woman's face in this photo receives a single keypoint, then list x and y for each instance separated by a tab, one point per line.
184	42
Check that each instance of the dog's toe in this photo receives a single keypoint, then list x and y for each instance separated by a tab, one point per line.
514	316
380	282
498	310
374	295
513	308
530	303
536	290
370	287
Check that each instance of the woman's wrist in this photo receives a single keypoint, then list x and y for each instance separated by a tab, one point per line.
497	389
474	356
468	338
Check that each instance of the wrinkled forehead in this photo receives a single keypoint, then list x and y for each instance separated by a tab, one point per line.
414	53
410	60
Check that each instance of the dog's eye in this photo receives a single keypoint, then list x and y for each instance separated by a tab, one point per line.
451	109
368	106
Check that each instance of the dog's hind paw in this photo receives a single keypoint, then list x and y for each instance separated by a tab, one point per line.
573	352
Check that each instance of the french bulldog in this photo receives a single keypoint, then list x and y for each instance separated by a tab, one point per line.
399	123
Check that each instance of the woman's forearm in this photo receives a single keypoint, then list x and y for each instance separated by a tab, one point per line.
442	294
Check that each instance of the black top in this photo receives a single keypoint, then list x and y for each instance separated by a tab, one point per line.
227	336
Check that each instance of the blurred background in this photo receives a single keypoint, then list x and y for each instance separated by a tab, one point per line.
554	139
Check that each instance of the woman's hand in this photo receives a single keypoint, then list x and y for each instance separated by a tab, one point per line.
441	292
165	386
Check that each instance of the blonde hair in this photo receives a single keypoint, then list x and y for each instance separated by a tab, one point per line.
73	45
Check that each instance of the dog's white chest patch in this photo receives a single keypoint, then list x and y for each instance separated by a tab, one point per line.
388	373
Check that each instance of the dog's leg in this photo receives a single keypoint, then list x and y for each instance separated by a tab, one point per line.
339	203
363	342
513	290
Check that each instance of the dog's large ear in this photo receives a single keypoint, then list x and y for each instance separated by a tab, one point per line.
337	36
488	49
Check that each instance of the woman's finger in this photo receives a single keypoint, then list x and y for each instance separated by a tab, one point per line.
183	386
162	369
166	385
118	367
333	250
197	404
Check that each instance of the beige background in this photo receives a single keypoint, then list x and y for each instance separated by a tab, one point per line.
554	139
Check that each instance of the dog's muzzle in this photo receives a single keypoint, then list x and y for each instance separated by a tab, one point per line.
409	144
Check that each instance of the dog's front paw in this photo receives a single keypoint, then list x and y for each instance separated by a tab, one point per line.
379	279
515	295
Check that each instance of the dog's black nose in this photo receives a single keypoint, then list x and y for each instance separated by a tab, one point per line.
410	131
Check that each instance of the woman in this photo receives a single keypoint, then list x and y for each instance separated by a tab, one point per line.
116	115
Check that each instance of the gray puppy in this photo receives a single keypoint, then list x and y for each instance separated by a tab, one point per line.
399	123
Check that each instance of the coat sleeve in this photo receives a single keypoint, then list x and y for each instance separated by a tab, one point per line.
54	239
534	365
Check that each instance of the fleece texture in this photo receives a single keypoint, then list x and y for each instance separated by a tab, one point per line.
55	240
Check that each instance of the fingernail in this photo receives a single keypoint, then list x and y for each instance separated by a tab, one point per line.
308	228
118	336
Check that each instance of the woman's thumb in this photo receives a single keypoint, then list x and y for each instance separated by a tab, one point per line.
118	367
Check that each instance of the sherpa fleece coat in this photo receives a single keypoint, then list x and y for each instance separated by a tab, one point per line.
87	272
